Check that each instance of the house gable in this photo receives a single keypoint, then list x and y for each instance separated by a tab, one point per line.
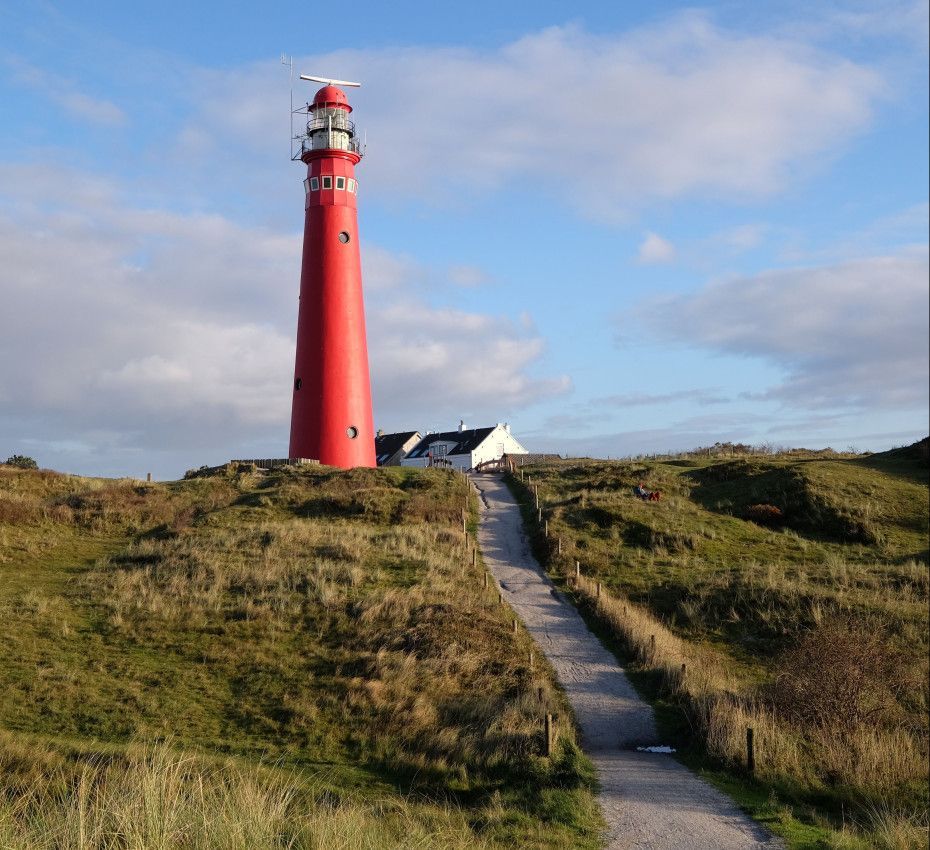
394	447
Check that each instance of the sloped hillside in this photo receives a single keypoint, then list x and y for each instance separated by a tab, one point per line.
312	648
794	589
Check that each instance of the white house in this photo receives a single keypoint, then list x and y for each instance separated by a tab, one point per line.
464	448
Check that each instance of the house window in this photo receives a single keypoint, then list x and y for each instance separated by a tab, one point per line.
440	449
340	182
351	185
328	182
314	184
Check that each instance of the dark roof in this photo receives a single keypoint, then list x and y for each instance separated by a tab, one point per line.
387	445
465	441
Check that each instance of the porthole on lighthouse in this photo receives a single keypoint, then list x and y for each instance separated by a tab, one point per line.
332	351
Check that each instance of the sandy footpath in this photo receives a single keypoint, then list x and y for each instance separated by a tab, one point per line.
649	800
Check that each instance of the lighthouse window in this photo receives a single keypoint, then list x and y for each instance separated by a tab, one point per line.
351	185
307	185
351	432
327	182
340	182
314	184
343	237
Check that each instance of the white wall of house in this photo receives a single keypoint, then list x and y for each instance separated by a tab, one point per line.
498	443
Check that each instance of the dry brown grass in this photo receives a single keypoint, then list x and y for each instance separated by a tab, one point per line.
874	763
308	616
423	669
156	798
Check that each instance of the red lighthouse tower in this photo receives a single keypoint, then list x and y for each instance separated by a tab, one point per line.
331	411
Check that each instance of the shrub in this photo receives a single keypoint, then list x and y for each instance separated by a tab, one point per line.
842	674
22	462
765	514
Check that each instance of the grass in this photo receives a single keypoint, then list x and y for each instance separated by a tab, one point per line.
312	648
814	631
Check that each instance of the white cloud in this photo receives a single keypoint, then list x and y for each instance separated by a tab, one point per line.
64	92
654	249
443	363
125	328
853	334
626	400
467	276
681	108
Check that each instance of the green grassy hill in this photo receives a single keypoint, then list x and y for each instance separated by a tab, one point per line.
795	589
244	660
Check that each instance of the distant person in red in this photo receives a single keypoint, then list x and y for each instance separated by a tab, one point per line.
646	495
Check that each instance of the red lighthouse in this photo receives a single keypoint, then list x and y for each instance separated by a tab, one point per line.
331	411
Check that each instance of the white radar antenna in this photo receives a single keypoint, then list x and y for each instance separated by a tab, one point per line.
328	81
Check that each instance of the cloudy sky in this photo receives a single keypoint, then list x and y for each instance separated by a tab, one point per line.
622	227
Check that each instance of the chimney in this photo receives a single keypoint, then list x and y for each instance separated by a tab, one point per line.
380	432
507	427
461	425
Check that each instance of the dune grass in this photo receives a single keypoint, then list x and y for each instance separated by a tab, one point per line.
155	797
814	631
325	629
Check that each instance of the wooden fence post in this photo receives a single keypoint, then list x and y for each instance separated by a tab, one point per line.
547	529
539	693
598	595
514	625
560	546
148	476
532	660
577	570
474	557
485	581
750	751
548	748
652	649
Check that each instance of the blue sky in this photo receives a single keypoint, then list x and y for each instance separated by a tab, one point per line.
626	229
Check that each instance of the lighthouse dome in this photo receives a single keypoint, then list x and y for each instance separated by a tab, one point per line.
331	96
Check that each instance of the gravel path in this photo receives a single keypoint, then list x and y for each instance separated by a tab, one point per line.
650	801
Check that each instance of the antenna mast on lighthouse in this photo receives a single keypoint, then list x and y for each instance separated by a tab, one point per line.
331	419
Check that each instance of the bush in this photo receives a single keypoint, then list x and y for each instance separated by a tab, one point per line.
765	514
22	462
842	674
